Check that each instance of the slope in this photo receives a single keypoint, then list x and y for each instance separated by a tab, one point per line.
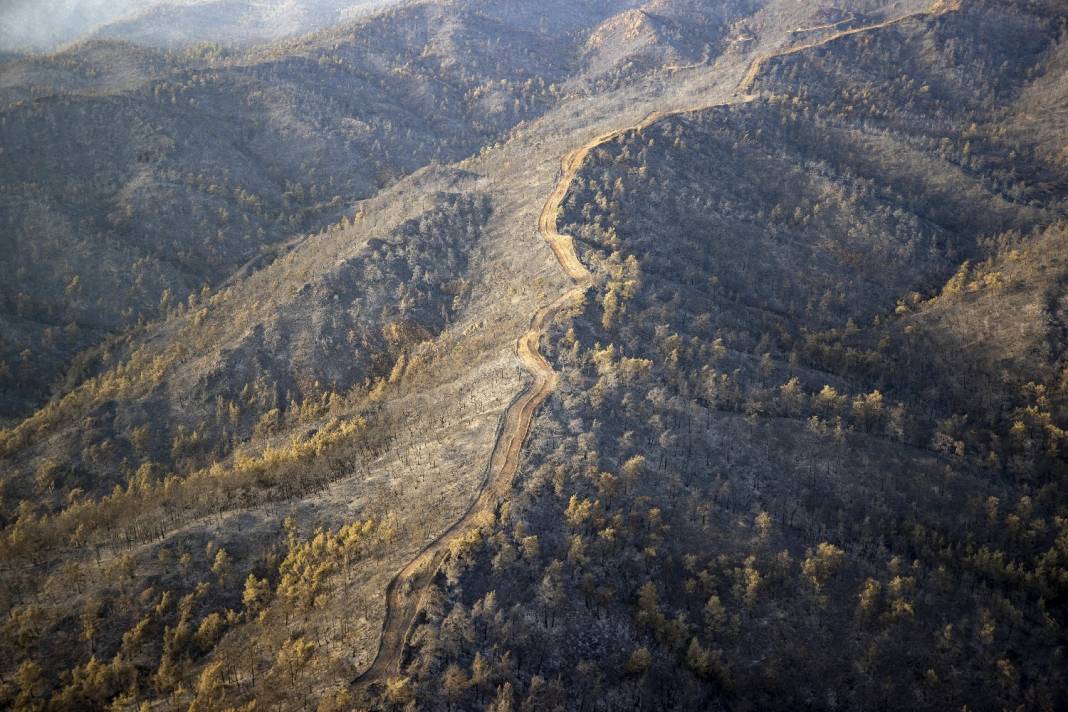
735	500
197	164
316	505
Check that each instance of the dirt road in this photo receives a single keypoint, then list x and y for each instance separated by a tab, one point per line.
405	592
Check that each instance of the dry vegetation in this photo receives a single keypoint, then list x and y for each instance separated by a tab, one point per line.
808	447
807	443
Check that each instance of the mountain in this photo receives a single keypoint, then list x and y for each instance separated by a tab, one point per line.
52	24
588	355
204	164
231	22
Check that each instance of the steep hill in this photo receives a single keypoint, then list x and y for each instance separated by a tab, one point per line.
801	456
658	355
195	165
381	406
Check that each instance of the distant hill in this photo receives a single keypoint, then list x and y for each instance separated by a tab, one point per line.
231	22
47	25
133	178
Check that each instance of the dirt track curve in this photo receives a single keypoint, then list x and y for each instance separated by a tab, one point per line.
939	7
405	591
402	604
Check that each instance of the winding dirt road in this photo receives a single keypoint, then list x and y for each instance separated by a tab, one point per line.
940	7
406	590
404	593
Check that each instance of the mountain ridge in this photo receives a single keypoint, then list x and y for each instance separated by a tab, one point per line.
781	437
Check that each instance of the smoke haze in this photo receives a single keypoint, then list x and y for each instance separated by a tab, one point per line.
45	24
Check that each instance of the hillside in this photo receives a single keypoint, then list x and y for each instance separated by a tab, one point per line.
198	165
481	355
785	459
178	443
